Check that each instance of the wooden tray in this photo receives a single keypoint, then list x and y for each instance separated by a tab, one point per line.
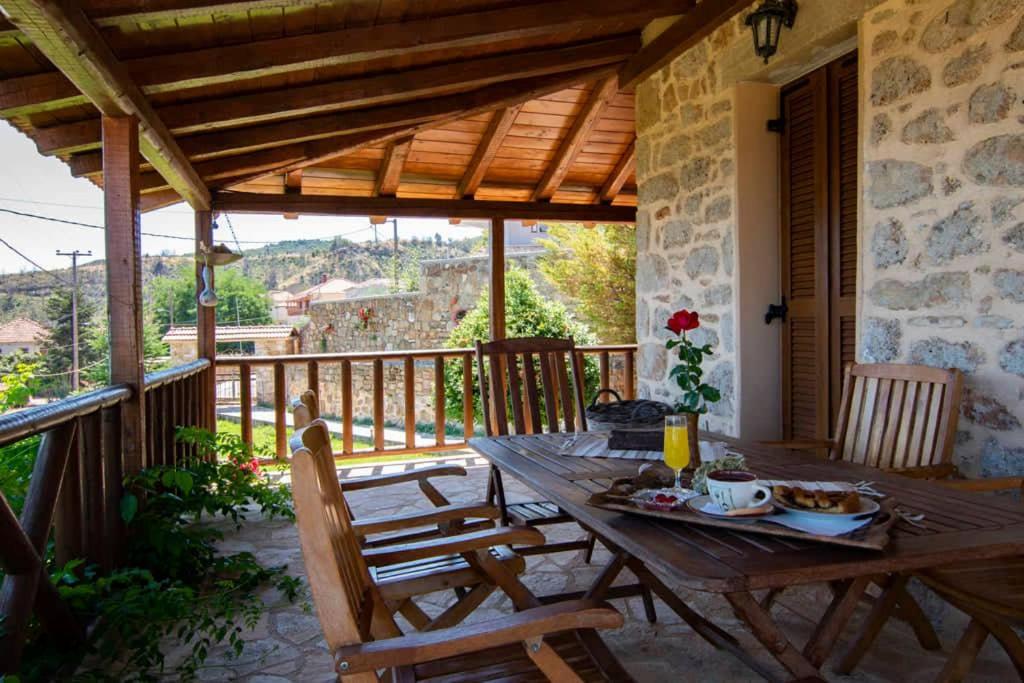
873	536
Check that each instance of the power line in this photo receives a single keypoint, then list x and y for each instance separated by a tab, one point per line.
58	278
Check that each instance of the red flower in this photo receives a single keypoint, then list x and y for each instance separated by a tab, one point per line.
251	466
683	321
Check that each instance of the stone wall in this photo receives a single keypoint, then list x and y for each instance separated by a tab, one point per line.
942	239
941	278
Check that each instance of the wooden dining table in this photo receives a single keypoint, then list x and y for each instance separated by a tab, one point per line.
670	556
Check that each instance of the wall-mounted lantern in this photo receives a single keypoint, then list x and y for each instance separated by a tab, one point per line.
766	24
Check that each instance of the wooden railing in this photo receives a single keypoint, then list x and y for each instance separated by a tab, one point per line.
406	394
75	491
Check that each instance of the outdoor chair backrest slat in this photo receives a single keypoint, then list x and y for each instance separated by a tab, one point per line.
895	416
508	372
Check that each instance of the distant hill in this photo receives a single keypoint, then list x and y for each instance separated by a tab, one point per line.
291	264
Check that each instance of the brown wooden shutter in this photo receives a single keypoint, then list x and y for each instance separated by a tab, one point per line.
843	211
804	241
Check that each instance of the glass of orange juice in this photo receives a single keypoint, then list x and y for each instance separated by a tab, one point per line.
677	446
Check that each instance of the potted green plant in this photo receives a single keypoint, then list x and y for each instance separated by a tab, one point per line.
689	374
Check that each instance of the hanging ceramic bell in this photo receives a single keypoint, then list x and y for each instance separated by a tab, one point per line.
207	297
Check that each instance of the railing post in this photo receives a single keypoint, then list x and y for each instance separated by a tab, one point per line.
245	401
206	323
467	396
124	277
313	377
378	404
605	374
346	407
113	473
92	486
67	531
629	388
409	377
439	416
280	424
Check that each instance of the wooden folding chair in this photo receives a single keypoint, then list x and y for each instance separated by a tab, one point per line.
991	592
554	641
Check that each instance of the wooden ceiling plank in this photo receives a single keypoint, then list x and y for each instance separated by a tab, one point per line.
120	12
391	169
497	129
65	35
244	202
219	64
696	24
623	169
434	81
575	139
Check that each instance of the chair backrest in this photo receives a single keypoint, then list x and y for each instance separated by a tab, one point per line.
897	415
348	603
305	409
526	382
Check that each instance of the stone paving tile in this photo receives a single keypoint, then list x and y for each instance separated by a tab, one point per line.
287	644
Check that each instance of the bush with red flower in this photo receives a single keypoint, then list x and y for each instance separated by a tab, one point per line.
689	374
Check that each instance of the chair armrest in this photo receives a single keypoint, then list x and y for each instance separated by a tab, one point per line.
799	444
940	471
428	646
402	477
449	513
448	545
993	484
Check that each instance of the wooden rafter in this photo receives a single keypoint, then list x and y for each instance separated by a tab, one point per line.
293	185
293	53
391	167
698	22
353	93
575	138
497	129
623	169
246	202
63	33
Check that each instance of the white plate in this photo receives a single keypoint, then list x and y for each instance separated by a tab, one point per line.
867	507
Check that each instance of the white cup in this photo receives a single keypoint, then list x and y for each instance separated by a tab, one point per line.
736	489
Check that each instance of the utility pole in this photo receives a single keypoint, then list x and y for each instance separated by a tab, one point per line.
74	311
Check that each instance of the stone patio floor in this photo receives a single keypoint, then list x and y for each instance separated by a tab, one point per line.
287	644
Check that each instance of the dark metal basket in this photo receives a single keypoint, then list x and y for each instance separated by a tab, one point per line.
619	413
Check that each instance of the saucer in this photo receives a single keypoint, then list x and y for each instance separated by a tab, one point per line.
705	506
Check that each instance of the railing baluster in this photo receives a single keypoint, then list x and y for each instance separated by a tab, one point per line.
280	400
467	396
410	402
378	404
92	486
346	407
113	473
439	416
245	401
605	374
67	532
629	386
313	377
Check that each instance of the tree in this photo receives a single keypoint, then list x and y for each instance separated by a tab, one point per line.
595	267
527	314
154	352
56	351
239	298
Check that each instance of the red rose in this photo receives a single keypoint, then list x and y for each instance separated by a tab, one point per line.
683	321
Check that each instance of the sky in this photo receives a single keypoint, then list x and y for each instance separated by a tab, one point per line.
32	183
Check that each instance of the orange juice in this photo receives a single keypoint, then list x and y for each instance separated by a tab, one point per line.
677	447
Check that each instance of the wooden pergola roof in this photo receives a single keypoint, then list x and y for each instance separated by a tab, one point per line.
367	106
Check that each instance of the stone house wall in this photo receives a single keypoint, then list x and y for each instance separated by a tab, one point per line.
941	277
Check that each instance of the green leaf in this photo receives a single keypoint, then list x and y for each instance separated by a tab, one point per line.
183	480
710	393
168	478
677	370
129	506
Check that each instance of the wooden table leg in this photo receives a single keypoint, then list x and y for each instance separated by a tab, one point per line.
959	663
848	595
909	611
884	606
760	623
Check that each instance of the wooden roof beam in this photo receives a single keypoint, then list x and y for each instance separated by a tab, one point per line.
391	167
293	185
574	140
623	169
63	33
255	59
247	202
497	129
433	81
698	22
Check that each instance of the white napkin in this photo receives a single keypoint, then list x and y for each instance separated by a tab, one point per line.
817	527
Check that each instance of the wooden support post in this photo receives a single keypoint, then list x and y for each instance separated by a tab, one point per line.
206	324
346	407
245	401
124	279
410	402
378	404
280	401
439	421
313	377
605	373
496	246
629	388
467	396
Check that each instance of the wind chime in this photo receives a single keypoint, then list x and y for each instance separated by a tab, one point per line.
217	255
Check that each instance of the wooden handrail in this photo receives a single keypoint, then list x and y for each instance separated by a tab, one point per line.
161	377
235	361
32	421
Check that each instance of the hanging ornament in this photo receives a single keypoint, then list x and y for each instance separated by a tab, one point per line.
207	297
